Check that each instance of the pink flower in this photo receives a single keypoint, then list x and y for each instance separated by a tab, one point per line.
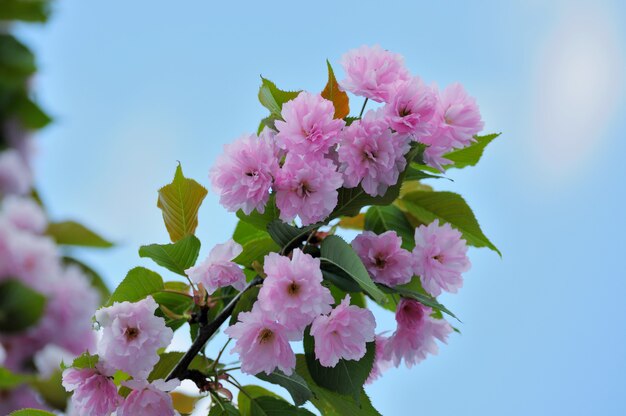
371	71
371	154
242	176
415	336
32	259
262	343
457	118
343	334
15	174
307	187
440	257
94	394
380	364
148	398
293	290
383	257
309	127
410	107
433	156
18	398
24	214
218	270
131	336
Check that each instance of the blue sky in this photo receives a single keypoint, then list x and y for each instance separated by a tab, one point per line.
136	86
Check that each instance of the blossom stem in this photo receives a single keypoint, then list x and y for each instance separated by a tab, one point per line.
363	108
206	332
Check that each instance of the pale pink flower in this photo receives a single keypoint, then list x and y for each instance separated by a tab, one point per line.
371	154
21	397
415	336
457	118
343	334
371	71
293	290
24	214
307	187
386	261
411	107
309	127
15	174
94	393
32	259
433	156
243	174
440	257
262	343
48	360
150	399
218	269
380	364
131	336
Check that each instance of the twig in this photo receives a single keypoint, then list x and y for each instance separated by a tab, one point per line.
363	108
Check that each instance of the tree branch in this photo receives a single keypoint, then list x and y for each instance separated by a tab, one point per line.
206	332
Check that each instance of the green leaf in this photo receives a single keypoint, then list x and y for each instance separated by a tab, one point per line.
52	391
10	380
138	283
180	201
260	221
176	257
357	299
75	234
390	218
224	409
85	360
30	114
25	10
447	207
256	244
289	237
168	360
245	303
20	306
17	62
470	155
414	290
31	412
331	403
414	174
333	93
347	377
175	303
94	278
341	255
339	278
245	400
271	406
273	98
294	384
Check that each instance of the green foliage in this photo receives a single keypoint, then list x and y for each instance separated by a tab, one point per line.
168	360
75	234
138	283
333	93
17	62
390	218
289	237
25	10
10	380
245	303
340	254
258	220
447	207
20	306
470	155
174	304
256	244
85	360
271	406
415	291
29	113
176	257
52	391
247	396
273	98
294	384
180	202
347	377
414	174
31	412
330	403
224	409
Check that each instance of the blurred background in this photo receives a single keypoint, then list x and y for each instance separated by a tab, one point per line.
137	86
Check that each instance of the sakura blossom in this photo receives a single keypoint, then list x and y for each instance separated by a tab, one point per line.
411	107
440	257
243	174
15	174
386	261
307	188
218	269
148	398
24	214
371	71
262	343
380	363
371	154
131	336
94	393
343	333
293	291
309	127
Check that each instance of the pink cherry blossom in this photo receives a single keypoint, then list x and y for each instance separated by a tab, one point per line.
371	154
131	336
218	270
380	364
343	334
371	71
411	107
415	336
384	258
15	174
433	156
18	398
262	343
293	290
440	257
94	393
243	174
24	214
309	127
307	187
149	398
31	258
457	117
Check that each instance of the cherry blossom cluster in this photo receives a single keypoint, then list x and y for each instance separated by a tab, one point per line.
131	336
311	154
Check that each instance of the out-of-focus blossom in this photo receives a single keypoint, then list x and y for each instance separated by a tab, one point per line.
24	214
15	174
